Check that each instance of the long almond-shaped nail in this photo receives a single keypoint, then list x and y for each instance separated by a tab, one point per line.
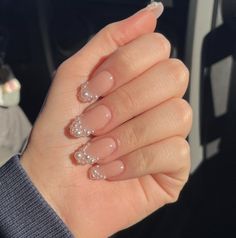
91	90
156	8
106	171
92	120
93	151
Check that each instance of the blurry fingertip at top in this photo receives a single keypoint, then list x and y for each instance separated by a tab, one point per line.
155	7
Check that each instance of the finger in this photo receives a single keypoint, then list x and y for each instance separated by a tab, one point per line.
167	157
115	35
104	43
171	118
79	67
163	81
126	63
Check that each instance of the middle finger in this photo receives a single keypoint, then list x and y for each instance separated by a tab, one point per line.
163	81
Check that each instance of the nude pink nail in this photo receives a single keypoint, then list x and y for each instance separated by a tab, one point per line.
106	171
91	90
90	121
95	150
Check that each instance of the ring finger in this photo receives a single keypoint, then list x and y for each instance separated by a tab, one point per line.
171	118
169	156
163	81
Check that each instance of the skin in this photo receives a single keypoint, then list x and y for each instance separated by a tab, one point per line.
151	129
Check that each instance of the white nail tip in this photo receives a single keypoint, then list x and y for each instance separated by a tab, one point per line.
83	158
85	95
77	129
95	174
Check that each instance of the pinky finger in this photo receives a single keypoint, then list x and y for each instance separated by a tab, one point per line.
169	156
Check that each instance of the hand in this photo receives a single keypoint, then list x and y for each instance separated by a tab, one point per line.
139	126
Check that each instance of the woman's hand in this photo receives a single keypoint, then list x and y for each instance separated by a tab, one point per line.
139	127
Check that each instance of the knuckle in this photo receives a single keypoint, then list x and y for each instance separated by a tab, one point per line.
63	66
180	155
108	31
112	36
174	190
126	101
186	173
181	107
175	197
163	42
183	152
131	137
184	176
155	41
125	60
179	71
158	40
141	162
183	113
109	28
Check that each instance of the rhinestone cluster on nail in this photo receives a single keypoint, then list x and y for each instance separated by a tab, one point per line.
83	158
95	174
85	95
78	130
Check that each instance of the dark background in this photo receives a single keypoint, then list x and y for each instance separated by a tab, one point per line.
43	33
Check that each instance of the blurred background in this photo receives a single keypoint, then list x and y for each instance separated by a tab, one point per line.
37	35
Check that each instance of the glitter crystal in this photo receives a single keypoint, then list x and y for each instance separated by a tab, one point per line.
78	130
83	158
95	174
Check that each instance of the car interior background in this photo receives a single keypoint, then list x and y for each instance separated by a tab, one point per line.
37	35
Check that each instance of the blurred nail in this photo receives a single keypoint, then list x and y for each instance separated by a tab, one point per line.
106	171
94	151
90	121
156	8
91	90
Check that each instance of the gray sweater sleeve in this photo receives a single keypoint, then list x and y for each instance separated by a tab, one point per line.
23	211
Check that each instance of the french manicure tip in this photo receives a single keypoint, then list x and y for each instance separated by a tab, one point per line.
95	173
83	158
77	129
85	95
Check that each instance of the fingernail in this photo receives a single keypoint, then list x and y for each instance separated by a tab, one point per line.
94	151
90	121
156	8
91	90
106	171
